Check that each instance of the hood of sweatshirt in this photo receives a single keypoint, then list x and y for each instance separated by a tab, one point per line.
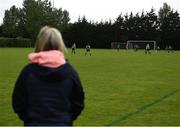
51	59
49	66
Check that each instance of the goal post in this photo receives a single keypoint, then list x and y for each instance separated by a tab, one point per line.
141	44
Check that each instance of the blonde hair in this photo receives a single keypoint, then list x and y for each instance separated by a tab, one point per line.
49	38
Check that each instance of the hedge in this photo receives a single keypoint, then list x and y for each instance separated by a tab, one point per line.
15	42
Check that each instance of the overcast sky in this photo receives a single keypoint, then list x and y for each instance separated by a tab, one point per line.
98	10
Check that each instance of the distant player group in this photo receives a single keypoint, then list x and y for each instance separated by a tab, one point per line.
168	48
136	47
147	49
87	51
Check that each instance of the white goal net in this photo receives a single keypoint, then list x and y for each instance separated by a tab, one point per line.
141	44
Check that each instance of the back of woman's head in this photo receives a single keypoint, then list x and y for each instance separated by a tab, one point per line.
49	38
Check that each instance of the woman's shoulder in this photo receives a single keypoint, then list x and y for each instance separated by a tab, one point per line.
28	67
25	70
70	66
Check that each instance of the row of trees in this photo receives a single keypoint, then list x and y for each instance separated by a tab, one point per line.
163	28
27	21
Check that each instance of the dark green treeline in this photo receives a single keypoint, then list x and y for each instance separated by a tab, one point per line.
26	22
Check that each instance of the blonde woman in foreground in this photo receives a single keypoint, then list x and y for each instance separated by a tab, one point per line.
48	91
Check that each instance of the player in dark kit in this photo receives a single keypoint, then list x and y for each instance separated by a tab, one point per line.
88	49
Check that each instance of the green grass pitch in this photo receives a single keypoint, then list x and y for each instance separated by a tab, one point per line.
121	88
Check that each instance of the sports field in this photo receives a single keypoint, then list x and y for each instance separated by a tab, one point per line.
122	88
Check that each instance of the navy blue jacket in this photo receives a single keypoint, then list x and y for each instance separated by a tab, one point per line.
48	96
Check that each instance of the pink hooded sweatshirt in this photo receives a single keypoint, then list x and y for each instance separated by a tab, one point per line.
52	59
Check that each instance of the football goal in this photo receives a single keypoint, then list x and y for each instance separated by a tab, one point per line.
141	44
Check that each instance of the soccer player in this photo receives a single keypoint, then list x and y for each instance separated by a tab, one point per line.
136	47
88	49
158	48
147	49
118	47
73	48
170	48
127	46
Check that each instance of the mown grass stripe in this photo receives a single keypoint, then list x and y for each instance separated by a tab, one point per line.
141	109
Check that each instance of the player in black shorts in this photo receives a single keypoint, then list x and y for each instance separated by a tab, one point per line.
73	49
88	49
